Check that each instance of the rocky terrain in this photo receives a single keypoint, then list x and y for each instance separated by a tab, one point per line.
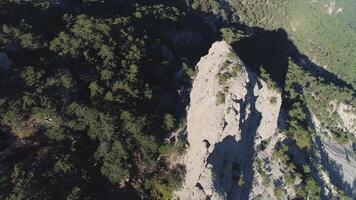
223	137
338	159
232	142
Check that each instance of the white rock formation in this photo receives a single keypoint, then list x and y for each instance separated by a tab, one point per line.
223	137
332	9
348	117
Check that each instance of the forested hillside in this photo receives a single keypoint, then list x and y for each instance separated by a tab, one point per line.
94	94
344	10
323	30
90	92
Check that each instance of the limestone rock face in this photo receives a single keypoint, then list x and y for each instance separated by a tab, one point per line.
223	133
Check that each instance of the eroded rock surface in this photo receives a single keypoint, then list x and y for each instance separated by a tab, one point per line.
223	135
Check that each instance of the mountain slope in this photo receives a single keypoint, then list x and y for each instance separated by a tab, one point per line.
326	39
102	100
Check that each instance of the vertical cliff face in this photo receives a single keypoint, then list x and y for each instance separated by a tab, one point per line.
227	119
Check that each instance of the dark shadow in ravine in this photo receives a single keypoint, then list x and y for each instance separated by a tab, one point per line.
232	160
272	50
265	49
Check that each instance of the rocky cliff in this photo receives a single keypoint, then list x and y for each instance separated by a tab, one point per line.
235	125
223	136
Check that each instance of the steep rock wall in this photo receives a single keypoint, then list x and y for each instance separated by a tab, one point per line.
223	136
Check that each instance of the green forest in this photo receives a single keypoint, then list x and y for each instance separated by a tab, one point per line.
92	95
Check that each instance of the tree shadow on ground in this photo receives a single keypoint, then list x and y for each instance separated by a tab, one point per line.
266	49
272	50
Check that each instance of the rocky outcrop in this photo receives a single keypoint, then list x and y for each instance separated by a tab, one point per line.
224	136
338	161
348	118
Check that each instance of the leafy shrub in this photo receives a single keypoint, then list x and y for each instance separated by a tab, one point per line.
278	192
235	71
220	97
231	35
224	77
262	172
273	100
169	122
232	56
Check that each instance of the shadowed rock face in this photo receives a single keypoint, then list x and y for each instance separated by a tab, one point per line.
272	50
231	160
5	62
